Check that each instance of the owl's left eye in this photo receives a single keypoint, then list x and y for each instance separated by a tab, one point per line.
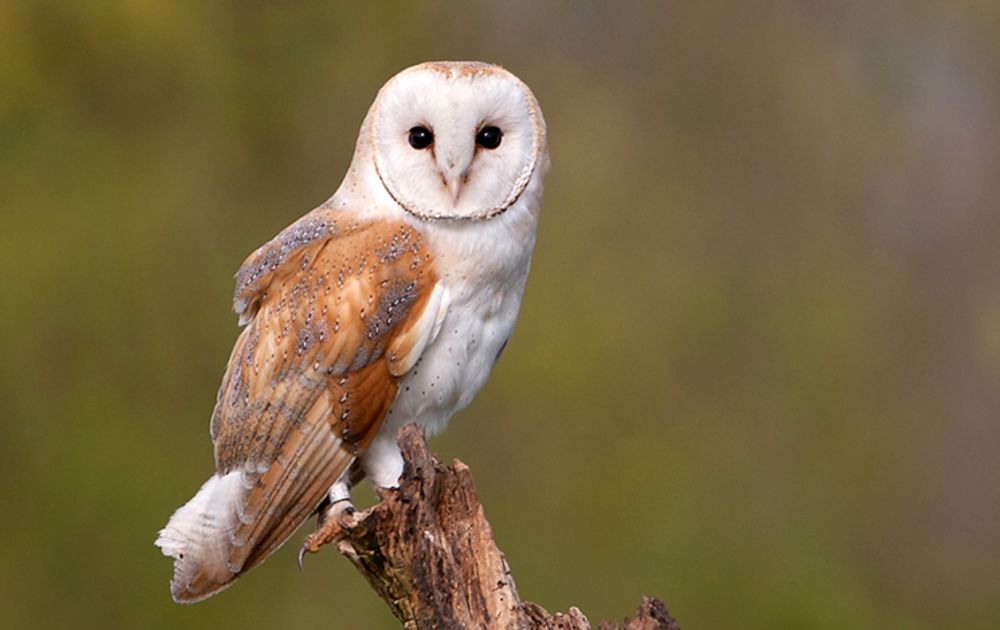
489	137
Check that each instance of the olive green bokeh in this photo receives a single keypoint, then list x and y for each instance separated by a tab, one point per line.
757	370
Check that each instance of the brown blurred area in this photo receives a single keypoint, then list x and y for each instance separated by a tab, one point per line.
757	369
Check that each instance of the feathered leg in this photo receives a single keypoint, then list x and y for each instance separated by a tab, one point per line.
336	514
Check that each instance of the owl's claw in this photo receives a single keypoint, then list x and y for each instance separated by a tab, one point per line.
299	558
334	523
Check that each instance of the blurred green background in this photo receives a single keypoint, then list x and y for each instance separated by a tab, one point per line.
757	369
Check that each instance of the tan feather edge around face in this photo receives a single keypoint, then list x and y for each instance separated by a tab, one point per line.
454	69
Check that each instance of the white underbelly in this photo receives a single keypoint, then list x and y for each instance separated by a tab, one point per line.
484	273
446	378
453	368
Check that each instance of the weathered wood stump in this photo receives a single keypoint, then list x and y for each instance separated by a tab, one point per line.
428	550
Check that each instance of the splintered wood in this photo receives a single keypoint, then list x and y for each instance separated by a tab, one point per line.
428	550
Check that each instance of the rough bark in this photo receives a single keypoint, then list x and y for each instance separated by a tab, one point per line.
428	550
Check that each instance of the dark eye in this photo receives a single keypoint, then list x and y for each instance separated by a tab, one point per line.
489	137
421	137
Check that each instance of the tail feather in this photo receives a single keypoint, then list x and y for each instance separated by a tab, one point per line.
238	519
197	537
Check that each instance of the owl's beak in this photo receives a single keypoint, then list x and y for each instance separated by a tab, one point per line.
455	172
455	186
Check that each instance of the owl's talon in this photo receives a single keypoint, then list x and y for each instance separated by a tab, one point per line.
335	522
301	557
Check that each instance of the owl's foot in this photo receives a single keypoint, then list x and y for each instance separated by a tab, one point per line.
336	516
334	523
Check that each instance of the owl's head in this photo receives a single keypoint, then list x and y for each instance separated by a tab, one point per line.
456	140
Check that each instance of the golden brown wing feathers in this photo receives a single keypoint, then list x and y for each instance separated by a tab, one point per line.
308	381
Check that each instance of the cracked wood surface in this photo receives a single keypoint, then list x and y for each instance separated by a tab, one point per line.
428	551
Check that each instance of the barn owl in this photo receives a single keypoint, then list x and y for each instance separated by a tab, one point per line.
388	304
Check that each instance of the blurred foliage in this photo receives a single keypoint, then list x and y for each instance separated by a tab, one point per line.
757	366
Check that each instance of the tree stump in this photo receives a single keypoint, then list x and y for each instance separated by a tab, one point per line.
428	551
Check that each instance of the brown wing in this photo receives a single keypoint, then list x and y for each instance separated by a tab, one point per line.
310	379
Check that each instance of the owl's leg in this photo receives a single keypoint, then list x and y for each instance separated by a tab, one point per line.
383	461
336	514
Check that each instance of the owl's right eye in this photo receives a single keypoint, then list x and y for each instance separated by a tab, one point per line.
421	137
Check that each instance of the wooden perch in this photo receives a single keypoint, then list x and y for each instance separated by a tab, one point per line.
428	550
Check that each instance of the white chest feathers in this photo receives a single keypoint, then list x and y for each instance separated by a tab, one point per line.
482	285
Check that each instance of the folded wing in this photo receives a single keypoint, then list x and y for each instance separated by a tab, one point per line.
336	311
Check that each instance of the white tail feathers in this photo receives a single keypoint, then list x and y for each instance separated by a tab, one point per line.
198	538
